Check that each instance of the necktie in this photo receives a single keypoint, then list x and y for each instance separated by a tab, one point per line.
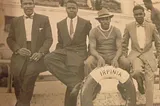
71	29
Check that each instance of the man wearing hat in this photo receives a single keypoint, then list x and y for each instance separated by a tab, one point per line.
155	13
105	48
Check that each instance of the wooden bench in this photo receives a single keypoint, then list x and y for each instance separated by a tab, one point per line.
9	84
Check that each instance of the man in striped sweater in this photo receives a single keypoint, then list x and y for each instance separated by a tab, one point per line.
105	48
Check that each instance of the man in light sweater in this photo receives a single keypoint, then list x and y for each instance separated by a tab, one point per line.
105	48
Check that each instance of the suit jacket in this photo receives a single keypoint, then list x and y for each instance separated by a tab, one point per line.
147	53
75	49
41	40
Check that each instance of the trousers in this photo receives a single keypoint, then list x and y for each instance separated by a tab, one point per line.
67	74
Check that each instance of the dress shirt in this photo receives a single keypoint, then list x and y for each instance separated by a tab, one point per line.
141	37
28	26
74	23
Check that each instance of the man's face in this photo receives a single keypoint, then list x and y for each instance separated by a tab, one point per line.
105	22
139	15
72	10
28	7
147	5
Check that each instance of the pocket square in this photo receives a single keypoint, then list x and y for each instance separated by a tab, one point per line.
40	29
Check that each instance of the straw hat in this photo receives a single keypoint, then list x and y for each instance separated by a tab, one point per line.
104	13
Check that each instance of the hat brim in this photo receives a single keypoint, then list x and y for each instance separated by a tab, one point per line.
105	16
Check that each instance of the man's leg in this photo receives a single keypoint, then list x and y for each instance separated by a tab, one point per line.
149	85
138	73
17	86
55	63
71	100
27	89
124	63
87	92
130	92
158	29
90	64
18	80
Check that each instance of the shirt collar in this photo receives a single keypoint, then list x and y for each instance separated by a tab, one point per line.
26	17
74	19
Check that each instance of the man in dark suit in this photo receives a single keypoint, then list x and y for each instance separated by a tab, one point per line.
67	61
141	56
30	38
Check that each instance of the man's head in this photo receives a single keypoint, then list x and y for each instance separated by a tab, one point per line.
28	6
148	4
71	8
139	14
104	18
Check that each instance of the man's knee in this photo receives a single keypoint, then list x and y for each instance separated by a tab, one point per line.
47	58
124	63
90	62
136	73
89	65
51	58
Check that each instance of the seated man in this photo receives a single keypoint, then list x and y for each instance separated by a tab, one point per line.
105	48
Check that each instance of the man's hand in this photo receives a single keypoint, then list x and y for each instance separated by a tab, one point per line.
100	62
114	63
24	52
36	56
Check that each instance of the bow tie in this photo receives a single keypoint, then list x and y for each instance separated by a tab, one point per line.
29	17
140	25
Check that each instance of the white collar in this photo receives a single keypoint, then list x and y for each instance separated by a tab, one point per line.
27	16
103	29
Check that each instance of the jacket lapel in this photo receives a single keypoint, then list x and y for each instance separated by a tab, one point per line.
66	28
66	31
22	31
147	33
134	33
35	29
79	27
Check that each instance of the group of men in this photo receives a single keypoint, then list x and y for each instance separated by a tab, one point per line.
30	38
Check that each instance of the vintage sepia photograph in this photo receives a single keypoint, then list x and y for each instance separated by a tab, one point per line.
79	52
